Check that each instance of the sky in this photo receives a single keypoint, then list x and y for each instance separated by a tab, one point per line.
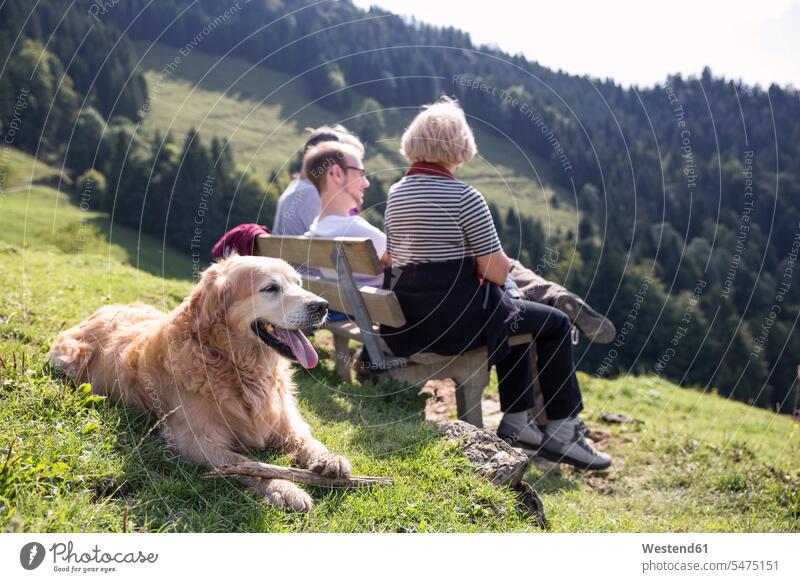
633	42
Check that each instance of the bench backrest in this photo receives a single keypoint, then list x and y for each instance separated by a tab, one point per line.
345	255
318	252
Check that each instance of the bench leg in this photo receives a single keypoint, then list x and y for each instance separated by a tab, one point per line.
471	377
341	349
469	394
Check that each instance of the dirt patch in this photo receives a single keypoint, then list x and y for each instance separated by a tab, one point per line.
601	483
441	404
601	438
441	400
491	411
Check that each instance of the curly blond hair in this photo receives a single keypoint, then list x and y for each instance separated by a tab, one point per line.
440	135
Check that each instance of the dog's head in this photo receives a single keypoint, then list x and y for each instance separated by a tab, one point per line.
262	297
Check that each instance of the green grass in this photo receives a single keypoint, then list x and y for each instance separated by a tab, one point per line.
264	112
17	168
71	462
698	463
77	462
41	218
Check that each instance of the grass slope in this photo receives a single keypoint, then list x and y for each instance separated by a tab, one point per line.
77	461
42	218
264	112
17	168
72	462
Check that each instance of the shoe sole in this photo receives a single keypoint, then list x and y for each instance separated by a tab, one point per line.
561	458
530	449
594	326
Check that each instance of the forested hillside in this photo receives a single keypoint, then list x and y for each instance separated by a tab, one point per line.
687	193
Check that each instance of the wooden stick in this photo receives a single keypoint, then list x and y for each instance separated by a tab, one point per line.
257	469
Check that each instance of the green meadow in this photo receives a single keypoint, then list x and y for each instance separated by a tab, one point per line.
70	462
258	110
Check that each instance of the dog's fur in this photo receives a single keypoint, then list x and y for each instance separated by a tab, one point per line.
203	372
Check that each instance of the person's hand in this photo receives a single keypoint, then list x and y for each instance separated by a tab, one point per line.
494	267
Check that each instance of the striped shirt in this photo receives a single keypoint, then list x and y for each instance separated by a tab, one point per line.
432	218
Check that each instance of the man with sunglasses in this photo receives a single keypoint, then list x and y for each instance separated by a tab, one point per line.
336	169
299	204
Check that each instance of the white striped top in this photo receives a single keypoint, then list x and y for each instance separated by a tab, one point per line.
433	218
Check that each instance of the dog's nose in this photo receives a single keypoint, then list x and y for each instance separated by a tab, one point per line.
317	307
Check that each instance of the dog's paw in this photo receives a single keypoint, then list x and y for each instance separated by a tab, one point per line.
287	496
331	465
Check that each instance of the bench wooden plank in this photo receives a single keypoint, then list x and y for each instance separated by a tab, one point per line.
299	250
348	329
351	331
432	358
382	305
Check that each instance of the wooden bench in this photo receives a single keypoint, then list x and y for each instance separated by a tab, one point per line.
370	307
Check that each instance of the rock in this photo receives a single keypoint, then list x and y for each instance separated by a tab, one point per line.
616	418
497	461
494	458
532	503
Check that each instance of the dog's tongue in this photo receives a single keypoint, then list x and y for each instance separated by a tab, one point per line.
300	346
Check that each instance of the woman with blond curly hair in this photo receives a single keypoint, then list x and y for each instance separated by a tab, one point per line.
448	269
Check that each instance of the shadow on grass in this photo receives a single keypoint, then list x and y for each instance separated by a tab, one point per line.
166	493
550	480
163	492
136	479
385	420
147	252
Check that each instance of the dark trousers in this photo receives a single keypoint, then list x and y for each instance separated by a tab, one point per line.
551	336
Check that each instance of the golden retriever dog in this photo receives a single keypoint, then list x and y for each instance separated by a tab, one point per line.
215	372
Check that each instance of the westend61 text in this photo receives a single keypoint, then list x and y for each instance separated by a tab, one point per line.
670	549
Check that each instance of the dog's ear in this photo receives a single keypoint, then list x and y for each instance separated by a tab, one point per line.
208	301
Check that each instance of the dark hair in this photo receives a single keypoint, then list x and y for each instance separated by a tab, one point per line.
318	136
327	133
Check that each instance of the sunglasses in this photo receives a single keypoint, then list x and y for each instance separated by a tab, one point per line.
362	170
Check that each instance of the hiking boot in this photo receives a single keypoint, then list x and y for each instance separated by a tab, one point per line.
593	325
529	438
565	442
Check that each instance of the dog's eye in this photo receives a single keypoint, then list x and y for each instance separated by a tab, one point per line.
270	288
